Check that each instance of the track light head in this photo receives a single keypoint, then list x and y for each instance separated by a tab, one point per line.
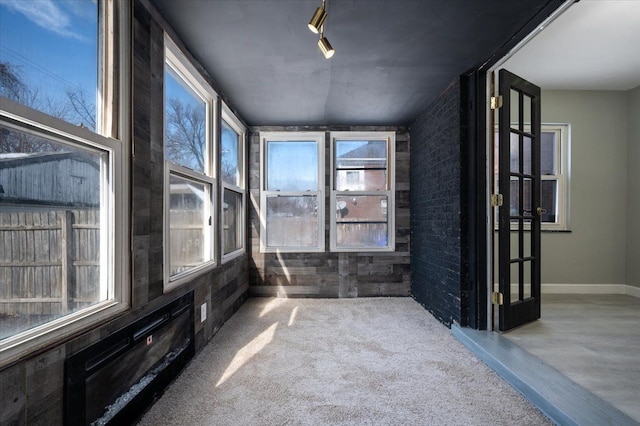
317	20
325	47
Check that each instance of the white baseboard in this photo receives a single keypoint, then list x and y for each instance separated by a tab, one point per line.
587	289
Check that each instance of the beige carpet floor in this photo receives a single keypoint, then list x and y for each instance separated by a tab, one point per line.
379	361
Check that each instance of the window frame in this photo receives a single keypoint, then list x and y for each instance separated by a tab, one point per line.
112	136
183	68
319	138
232	121
390	139
562	177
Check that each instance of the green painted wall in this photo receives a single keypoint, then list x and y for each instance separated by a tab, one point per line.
633	188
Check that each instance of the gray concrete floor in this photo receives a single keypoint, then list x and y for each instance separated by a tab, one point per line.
592	339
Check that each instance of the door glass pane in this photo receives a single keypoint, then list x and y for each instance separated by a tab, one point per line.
231	213
514	271
527	198
526	239
527	280
514	147
526	152
230	141
50	216
548	147
292	166
526	107
185	124
514	248
292	221
186	224
515	109
514	198
49	57
549	189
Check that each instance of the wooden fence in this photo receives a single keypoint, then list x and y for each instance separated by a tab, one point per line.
49	262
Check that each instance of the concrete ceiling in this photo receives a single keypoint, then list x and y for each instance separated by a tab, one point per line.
593	45
393	57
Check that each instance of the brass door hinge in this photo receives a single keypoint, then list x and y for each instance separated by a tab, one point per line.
496	298
496	200
496	102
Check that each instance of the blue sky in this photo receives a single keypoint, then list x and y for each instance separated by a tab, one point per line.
52	43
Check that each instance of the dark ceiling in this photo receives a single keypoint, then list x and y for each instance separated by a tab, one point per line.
393	57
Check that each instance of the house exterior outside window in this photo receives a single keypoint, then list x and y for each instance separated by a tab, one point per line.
362	191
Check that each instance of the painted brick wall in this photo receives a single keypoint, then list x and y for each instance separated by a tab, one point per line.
331	274
435	207
32	390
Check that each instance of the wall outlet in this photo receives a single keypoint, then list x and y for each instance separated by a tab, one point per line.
203	312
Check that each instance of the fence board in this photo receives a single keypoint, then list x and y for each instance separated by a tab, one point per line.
41	252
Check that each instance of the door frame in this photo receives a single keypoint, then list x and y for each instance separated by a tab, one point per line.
477	233
487	118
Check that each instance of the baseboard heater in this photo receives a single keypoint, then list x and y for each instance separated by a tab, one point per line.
115	380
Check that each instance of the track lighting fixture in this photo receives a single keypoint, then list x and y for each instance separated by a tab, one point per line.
316	25
325	47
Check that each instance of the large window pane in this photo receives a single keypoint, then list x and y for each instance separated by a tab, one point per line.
361	208
292	166
361	235
49	57
292	221
231	221
361	165
549	189
187	219
185	124
230	155
548	150
52	261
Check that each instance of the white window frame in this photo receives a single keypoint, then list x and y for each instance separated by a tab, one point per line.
563	159
563	137
319	138
183	67
390	139
232	121
112	137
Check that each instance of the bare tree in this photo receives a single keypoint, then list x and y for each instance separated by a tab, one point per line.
81	110
185	134
76	108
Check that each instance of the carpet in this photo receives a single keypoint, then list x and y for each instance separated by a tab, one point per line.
369	361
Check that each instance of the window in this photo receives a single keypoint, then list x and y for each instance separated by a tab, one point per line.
232	136
554	171
362	191
63	171
189	108
292	192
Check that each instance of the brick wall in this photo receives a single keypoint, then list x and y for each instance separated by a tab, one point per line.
32	390
435	207
330	274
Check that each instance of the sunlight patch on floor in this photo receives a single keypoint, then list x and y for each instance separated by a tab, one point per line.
247	352
292	318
